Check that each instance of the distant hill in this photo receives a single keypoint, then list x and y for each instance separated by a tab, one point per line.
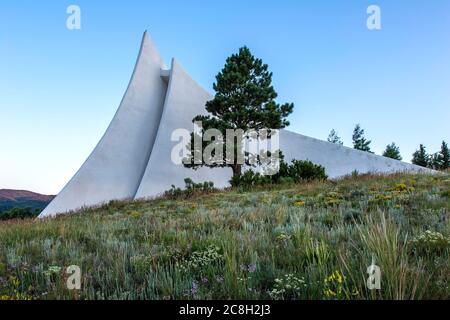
22	199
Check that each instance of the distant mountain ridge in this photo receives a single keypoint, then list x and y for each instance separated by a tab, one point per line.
23	199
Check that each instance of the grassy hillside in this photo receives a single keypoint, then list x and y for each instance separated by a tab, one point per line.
305	241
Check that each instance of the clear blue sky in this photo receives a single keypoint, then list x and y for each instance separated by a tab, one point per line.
59	88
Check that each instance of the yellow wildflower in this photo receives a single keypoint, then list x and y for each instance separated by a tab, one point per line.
334	285
135	214
329	293
400	187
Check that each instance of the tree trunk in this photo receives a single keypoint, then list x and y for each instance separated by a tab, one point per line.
237	170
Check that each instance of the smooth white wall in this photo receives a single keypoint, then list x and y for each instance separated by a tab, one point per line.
338	160
115	167
185	99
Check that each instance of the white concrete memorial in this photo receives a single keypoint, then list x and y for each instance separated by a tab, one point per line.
133	158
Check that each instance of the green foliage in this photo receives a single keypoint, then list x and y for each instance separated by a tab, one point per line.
141	264
19	213
191	189
296	172
392	151
359	141
430	243
438	161
420	157
200	261
441	160
24	203
444	156
10	289
249	179
301	170
244	99
334	138
288	287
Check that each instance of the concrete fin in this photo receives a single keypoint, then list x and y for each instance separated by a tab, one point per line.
339	160
184	100
115	168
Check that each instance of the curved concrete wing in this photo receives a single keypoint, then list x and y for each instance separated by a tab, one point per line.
338	160
115	167
184	100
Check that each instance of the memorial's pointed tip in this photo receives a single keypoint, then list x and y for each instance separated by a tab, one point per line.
146	36
176	62
148	40
149	49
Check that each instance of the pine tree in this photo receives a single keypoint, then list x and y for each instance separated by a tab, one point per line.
392	151
359	141
420	157
244	99
441	160
445	153
435	161
334	138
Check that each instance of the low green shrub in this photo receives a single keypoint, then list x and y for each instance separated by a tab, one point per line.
141	264
429	243
201	260
300	170
191	189
296	172
249	179
288	287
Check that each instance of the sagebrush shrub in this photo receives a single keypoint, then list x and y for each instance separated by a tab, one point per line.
200	260
288	287
430	242
191	189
